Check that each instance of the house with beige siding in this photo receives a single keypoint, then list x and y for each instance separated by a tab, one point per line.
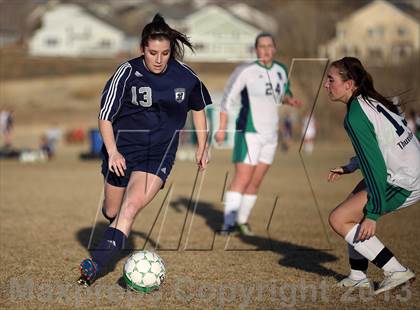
380	33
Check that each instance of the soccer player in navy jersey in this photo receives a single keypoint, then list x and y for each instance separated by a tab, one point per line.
143	107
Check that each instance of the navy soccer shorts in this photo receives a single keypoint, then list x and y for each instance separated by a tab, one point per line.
160	167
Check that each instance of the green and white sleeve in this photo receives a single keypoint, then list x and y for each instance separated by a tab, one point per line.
363	137
288	88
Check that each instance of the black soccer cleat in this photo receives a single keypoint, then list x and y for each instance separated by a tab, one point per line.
228	230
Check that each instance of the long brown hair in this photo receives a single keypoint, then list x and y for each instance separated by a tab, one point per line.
350	68
159	29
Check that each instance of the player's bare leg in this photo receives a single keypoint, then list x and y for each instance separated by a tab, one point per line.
112	201
141	189
257	177
346	219
348	213
242	177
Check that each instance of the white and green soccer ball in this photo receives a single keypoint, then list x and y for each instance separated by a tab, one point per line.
144	271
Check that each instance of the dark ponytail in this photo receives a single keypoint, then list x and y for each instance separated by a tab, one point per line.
350	68
158	29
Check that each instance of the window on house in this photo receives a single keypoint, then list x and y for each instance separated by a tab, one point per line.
376	32
84	33
401	52
350	50
51	41
199	46
402	31
105	43
376	54
340	34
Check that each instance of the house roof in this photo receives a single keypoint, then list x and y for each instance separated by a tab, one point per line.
405	8
253	16
214	9
408	9
131	16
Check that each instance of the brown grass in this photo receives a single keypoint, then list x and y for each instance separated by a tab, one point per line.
48	212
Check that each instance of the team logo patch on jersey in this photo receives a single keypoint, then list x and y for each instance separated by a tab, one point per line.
179	94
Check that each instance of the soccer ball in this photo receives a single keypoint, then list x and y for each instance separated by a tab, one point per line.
144	271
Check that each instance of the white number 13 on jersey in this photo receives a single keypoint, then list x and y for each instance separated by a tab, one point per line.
145	96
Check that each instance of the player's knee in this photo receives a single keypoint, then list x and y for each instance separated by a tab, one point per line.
108	210
239	185
255	183
334	220
252	188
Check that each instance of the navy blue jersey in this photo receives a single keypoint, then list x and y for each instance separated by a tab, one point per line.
147	110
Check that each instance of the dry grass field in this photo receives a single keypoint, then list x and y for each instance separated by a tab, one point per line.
49	211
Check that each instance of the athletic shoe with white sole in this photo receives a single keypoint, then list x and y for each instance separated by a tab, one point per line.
395	279
348	282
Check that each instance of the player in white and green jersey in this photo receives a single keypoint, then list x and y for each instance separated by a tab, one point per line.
260	88
388	154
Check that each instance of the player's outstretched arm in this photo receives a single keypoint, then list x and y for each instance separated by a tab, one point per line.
352	166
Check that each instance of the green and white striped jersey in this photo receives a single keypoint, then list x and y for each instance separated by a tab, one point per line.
260	91
387	150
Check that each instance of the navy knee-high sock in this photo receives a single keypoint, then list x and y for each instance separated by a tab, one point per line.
112	241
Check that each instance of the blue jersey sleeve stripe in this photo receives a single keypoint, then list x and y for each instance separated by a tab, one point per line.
110	97
108	93
114	89
111	90
122	94
104	94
